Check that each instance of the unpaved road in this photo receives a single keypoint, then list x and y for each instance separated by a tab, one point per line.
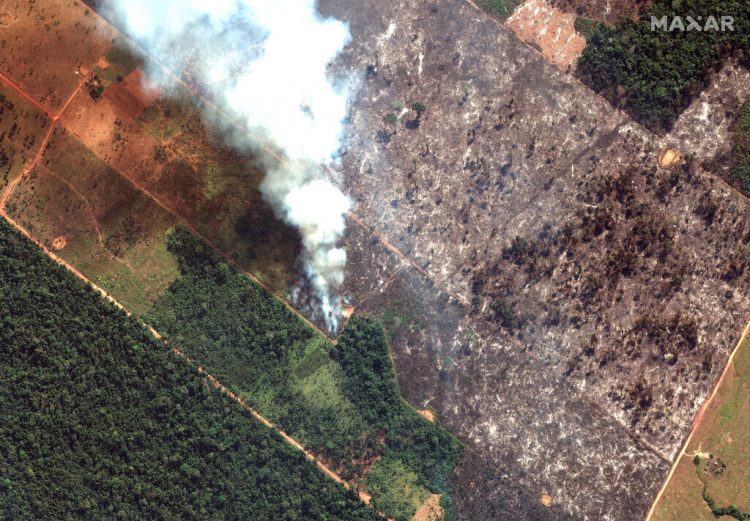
215	382
697	421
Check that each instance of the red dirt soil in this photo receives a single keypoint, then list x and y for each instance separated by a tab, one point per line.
60	242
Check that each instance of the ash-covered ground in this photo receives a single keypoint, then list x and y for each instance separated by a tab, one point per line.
561	302
564	304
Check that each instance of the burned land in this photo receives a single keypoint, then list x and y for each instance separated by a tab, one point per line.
592	288
559	300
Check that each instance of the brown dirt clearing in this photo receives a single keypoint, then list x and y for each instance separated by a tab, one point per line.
430	510
59	243
549	30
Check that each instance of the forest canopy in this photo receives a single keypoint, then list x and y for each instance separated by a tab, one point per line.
342	402
655	74
100	421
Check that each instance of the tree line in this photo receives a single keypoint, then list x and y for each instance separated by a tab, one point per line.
100	421
655	74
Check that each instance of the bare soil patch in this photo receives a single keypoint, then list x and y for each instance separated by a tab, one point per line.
669	158
6	19
59	243
430	510
550	30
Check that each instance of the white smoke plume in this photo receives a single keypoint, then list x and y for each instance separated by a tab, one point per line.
266	63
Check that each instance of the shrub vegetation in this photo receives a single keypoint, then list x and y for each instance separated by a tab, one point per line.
342	402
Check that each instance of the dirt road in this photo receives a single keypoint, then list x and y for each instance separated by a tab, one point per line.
216	383
697	421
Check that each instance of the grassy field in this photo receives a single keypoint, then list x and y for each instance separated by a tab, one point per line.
93	218
716	464
164	142
47	42
500	8
22	129
395	488
170	143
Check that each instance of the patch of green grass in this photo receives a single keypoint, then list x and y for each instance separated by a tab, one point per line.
718	482
742	124
401	316
586	26
342	402
213	184
122	57
395	489
108	75
741	150
160	122
500	8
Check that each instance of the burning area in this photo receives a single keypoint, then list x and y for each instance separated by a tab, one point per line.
266	64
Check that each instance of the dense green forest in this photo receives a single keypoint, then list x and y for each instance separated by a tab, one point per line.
741	149
654	75
102	422
342	402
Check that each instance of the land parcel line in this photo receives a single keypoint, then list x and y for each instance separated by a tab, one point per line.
714	465
116	132
343	403
93	218
22	128
174	147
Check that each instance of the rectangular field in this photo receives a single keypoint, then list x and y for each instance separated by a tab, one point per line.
22	129
715	463
96	220
45	42
171	145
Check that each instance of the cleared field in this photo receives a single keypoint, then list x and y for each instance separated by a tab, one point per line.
45	42
96	220
715	463
163	142
22	129
125	165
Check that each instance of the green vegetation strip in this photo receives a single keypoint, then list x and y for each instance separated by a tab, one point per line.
655	74
741	149
100	421
731	510
500	8
342	402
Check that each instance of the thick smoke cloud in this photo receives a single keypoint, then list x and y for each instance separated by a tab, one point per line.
266	63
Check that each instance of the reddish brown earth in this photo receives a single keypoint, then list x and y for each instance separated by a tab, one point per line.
59	243
563	304
550	30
